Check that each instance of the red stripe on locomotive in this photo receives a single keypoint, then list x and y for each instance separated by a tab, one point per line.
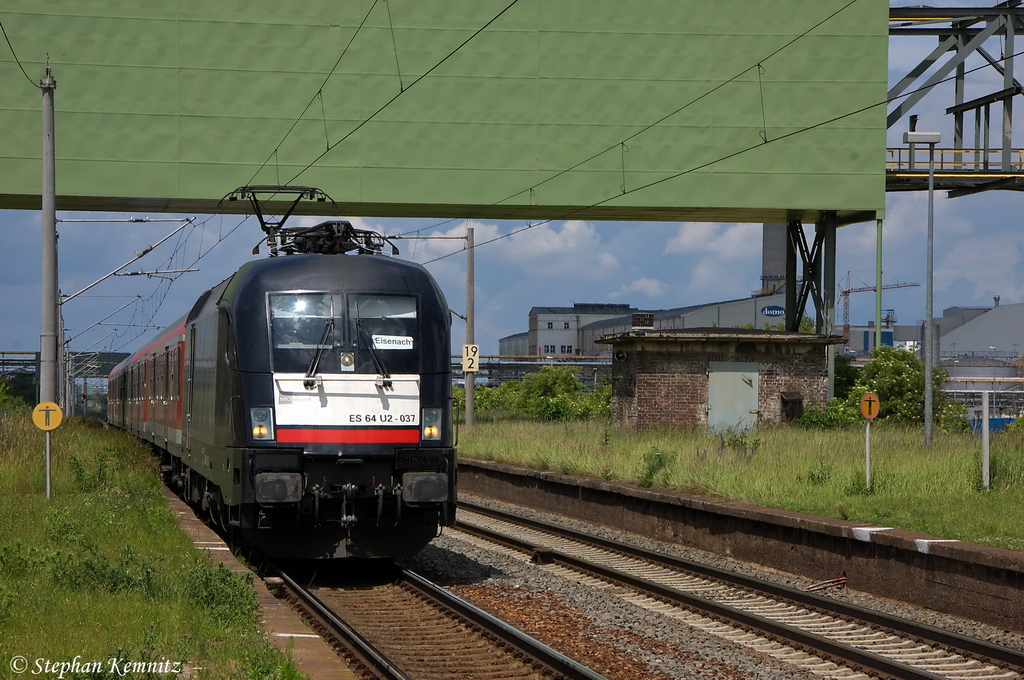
345	436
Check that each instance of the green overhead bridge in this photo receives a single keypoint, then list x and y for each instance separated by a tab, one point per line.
683	110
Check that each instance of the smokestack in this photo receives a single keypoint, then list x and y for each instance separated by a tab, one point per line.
773	256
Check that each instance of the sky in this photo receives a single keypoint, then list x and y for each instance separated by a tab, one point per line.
649	265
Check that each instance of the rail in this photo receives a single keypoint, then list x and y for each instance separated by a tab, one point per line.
372	662
857	656
368	660
964	160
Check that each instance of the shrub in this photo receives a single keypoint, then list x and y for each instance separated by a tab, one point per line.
8	400
552	393
835	414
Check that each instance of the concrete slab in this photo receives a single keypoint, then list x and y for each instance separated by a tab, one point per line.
310	654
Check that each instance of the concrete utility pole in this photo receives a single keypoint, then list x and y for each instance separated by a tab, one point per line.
470	330
48	366
878	283
931	139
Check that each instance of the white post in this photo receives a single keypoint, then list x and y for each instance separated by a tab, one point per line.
867	453
47	463
984	439
931	139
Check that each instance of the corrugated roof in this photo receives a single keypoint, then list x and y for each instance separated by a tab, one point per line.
665	313
1001	327
585	308
715	333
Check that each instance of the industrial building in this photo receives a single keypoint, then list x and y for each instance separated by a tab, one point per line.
995	332
575	331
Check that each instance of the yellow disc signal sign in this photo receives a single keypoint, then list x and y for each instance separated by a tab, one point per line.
47	415
870	405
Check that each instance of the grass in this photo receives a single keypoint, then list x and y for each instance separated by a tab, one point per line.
936	491
101	570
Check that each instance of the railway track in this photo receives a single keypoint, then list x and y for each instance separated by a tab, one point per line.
829	638
411	629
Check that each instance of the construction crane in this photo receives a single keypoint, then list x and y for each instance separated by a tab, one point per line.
845	292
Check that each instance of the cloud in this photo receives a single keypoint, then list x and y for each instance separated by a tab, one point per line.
650	287
990	263
714	261
725	241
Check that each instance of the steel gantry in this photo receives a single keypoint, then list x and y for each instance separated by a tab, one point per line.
961	32
818	282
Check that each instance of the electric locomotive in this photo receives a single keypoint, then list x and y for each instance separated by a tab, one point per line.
305	401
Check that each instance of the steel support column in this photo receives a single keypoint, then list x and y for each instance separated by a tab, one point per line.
810	259
1008	82
818	283
827	228
827	317
792	317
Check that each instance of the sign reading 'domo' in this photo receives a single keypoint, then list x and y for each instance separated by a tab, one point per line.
773	310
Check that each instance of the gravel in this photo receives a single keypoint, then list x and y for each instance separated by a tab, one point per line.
663	647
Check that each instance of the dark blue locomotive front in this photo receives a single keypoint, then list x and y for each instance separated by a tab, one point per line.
315	412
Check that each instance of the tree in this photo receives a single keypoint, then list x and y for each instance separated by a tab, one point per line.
552	393
23	385
897	377
846	376
9	401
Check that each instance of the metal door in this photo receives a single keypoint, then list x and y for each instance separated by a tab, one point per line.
732	395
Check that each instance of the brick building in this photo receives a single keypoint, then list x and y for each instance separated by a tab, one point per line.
721	378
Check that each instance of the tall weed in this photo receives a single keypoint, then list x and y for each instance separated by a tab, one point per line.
935	490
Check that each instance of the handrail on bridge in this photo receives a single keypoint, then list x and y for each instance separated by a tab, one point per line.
966	160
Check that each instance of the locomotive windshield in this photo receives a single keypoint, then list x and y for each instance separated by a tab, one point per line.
301	325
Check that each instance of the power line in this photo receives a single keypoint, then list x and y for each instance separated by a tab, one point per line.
684	106
659	121
726	157
318	92
388	103
2	29
146	309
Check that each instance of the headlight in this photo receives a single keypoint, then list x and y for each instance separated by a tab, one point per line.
278	487
262	418
431	423
424	487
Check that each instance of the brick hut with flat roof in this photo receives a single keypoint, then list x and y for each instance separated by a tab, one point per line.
722	378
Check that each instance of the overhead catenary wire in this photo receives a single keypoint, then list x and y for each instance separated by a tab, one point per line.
406	89
147	308
726	157
317	94
621	144
15	54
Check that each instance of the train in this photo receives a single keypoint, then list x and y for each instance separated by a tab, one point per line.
304	403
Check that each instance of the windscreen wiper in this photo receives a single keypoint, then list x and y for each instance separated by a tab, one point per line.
310	381
378	363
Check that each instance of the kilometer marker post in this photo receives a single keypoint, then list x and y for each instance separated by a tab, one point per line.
870	405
